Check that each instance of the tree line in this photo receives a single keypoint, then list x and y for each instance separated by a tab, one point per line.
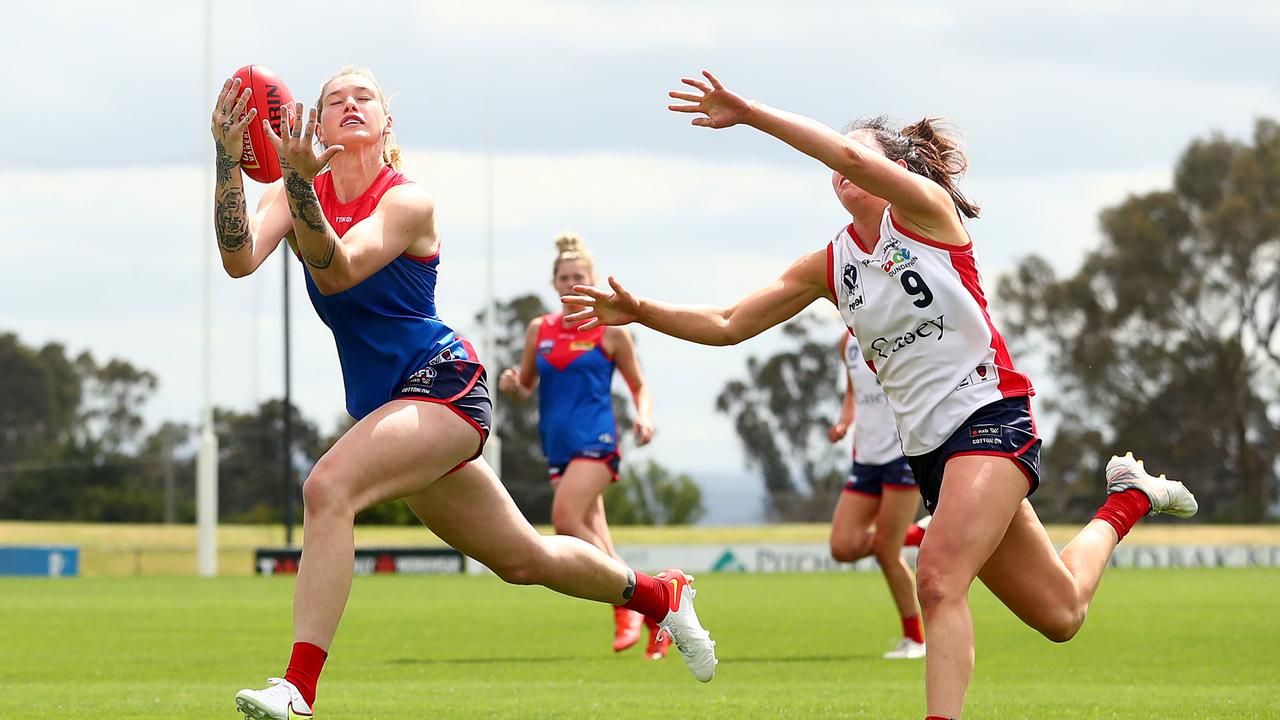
1164	341
74	447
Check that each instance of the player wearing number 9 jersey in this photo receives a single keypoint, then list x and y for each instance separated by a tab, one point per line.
905	280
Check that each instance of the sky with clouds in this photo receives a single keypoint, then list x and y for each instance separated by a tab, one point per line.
1066	108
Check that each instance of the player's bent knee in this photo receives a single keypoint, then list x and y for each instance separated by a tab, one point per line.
886	549
576	529
520	566
518	575
847	551
324	492
935	586
1062	626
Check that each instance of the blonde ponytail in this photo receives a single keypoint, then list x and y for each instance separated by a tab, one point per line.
569	246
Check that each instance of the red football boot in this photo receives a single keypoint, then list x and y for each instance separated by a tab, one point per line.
626	628
659	641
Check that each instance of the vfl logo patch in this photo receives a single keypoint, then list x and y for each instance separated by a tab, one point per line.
852	287
850	277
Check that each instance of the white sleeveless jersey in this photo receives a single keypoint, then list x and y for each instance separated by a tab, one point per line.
875	432
921	318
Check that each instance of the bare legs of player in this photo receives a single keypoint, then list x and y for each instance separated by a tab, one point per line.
578	510
853	539
984	527
401	450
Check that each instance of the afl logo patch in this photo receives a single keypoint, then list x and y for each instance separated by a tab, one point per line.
422	378
545	346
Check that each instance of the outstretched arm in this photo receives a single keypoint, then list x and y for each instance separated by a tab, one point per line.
915	198
243	241
781	300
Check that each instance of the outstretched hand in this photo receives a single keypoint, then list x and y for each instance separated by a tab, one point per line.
716	106
601	307
296	149
230	120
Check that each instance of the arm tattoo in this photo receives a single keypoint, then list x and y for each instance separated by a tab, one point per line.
322	262
304	206
229	220
303	203
223	162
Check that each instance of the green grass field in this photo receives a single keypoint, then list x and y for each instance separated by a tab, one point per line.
1159	644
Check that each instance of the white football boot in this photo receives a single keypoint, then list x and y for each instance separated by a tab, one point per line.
907	649
273	703
1169	497
681	624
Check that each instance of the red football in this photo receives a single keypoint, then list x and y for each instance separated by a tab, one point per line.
269	96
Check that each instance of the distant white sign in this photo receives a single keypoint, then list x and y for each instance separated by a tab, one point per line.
815	557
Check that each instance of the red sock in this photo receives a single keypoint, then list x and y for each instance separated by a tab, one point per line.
652	598
915	534
1124	509
938	717
911	628
304	669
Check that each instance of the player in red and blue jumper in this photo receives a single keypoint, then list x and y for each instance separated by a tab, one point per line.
366	236
573	374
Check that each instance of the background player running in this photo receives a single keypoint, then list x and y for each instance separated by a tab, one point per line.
880	491
573	372
367	237
904	277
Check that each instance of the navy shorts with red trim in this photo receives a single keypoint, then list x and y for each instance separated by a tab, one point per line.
871	479
1003	428
459	385
609	457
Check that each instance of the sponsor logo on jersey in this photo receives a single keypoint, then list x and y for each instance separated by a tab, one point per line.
883	347
343	218
582	345
896	258
605	438
878	398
